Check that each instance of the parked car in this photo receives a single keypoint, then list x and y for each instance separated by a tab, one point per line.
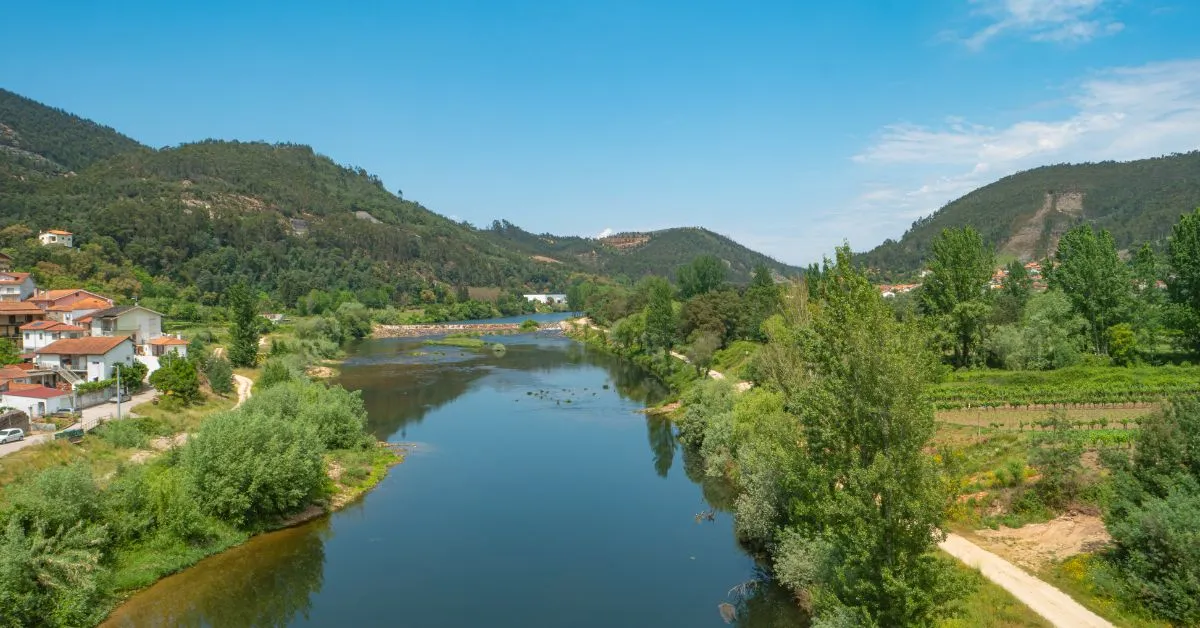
12	435
124	398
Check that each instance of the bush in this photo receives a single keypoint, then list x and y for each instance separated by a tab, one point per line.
248	468
122	434
335	414
133	376
58	497
275	371
529	325
176	377
220	375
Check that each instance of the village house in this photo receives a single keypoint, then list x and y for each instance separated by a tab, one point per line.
15	286
73	313
168	344
47	299
38	334
14	315
57	237
35	399
133	321
87	359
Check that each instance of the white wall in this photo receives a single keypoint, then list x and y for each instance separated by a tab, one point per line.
48	361
100	366
39	407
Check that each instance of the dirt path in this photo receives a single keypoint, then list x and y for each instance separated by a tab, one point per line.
1045	600
1036	545
244	384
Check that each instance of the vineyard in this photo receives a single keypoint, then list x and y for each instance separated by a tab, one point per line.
1076	386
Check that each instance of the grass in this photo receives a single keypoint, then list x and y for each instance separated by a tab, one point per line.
732	359
361	470
465	342
990	606
1012	418
1077	577
187	418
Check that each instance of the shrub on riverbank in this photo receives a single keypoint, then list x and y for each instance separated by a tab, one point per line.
68	543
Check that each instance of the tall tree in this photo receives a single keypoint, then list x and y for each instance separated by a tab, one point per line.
867	499
1091	274
1149	299
704	274
1015	289
661	321
956	290
761	301
243	328
1183	283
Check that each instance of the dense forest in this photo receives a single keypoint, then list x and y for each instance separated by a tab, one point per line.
1136	201
636	255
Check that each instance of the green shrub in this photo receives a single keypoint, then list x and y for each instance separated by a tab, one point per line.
335	414
122	434
249	467
529	325
58	497
176	377
220	375
275	371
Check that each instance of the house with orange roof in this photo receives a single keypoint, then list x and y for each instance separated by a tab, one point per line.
134	321
16	286
38	334
75	313
35	399
88	358
57	237
47	299
168	344
15	314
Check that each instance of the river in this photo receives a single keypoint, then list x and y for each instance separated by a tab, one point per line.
535	494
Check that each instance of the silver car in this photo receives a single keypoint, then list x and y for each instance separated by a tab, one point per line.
12	435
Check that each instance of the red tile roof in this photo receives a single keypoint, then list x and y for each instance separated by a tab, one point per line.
12	372
50	326
13	278
94	345
59	232
87	303
19	307
168	340
35	391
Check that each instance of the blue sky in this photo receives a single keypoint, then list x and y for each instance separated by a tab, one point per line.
790	126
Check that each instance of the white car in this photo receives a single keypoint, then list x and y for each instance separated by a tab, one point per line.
12	435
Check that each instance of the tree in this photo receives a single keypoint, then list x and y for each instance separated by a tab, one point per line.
355	319
704	274
1057	457
220	375
760	301
661	322
956	290
1183	283
8	352
1015	290
866	500
177	378
243	329
133	375
1091	274
704	345
1049	337
1149	299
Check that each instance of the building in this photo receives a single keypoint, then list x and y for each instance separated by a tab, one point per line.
47	299
133	321
168	344
14	315
35	399
548	299
38	334
74	313
16	286
88	359
57	237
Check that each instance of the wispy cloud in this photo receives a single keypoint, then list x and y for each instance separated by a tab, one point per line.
604	234
1060	21
1121	113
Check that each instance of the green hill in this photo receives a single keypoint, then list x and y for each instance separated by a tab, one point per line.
197	218
636	255
1023	214
41	139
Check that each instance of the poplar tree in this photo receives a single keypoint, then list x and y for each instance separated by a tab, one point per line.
243	330
1091	274
956	290
1183	283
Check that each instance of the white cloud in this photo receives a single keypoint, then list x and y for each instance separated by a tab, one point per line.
604	234
1060	21
1120	114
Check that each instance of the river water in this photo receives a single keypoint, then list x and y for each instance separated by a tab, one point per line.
535	494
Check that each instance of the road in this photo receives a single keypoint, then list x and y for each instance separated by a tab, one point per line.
1054	605
244	384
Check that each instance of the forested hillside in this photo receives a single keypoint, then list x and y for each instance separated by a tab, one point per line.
195	219
1022	215
635	255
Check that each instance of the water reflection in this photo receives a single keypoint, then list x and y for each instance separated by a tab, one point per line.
269	581
662	442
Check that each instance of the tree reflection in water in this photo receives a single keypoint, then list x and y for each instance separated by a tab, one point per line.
662	442
269	581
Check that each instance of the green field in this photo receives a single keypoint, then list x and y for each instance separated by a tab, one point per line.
1080	385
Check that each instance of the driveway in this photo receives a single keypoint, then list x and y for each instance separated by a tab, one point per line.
29	441
91	417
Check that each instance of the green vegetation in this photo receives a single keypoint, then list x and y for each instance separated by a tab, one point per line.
465	342
243	328
76	535
529	325
955	293
177	378
1133	200
989	388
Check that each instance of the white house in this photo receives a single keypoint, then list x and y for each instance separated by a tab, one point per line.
35	399
58	237
168	344
46	299
133	321
38	334
549	299
16	286
91	359
74	312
